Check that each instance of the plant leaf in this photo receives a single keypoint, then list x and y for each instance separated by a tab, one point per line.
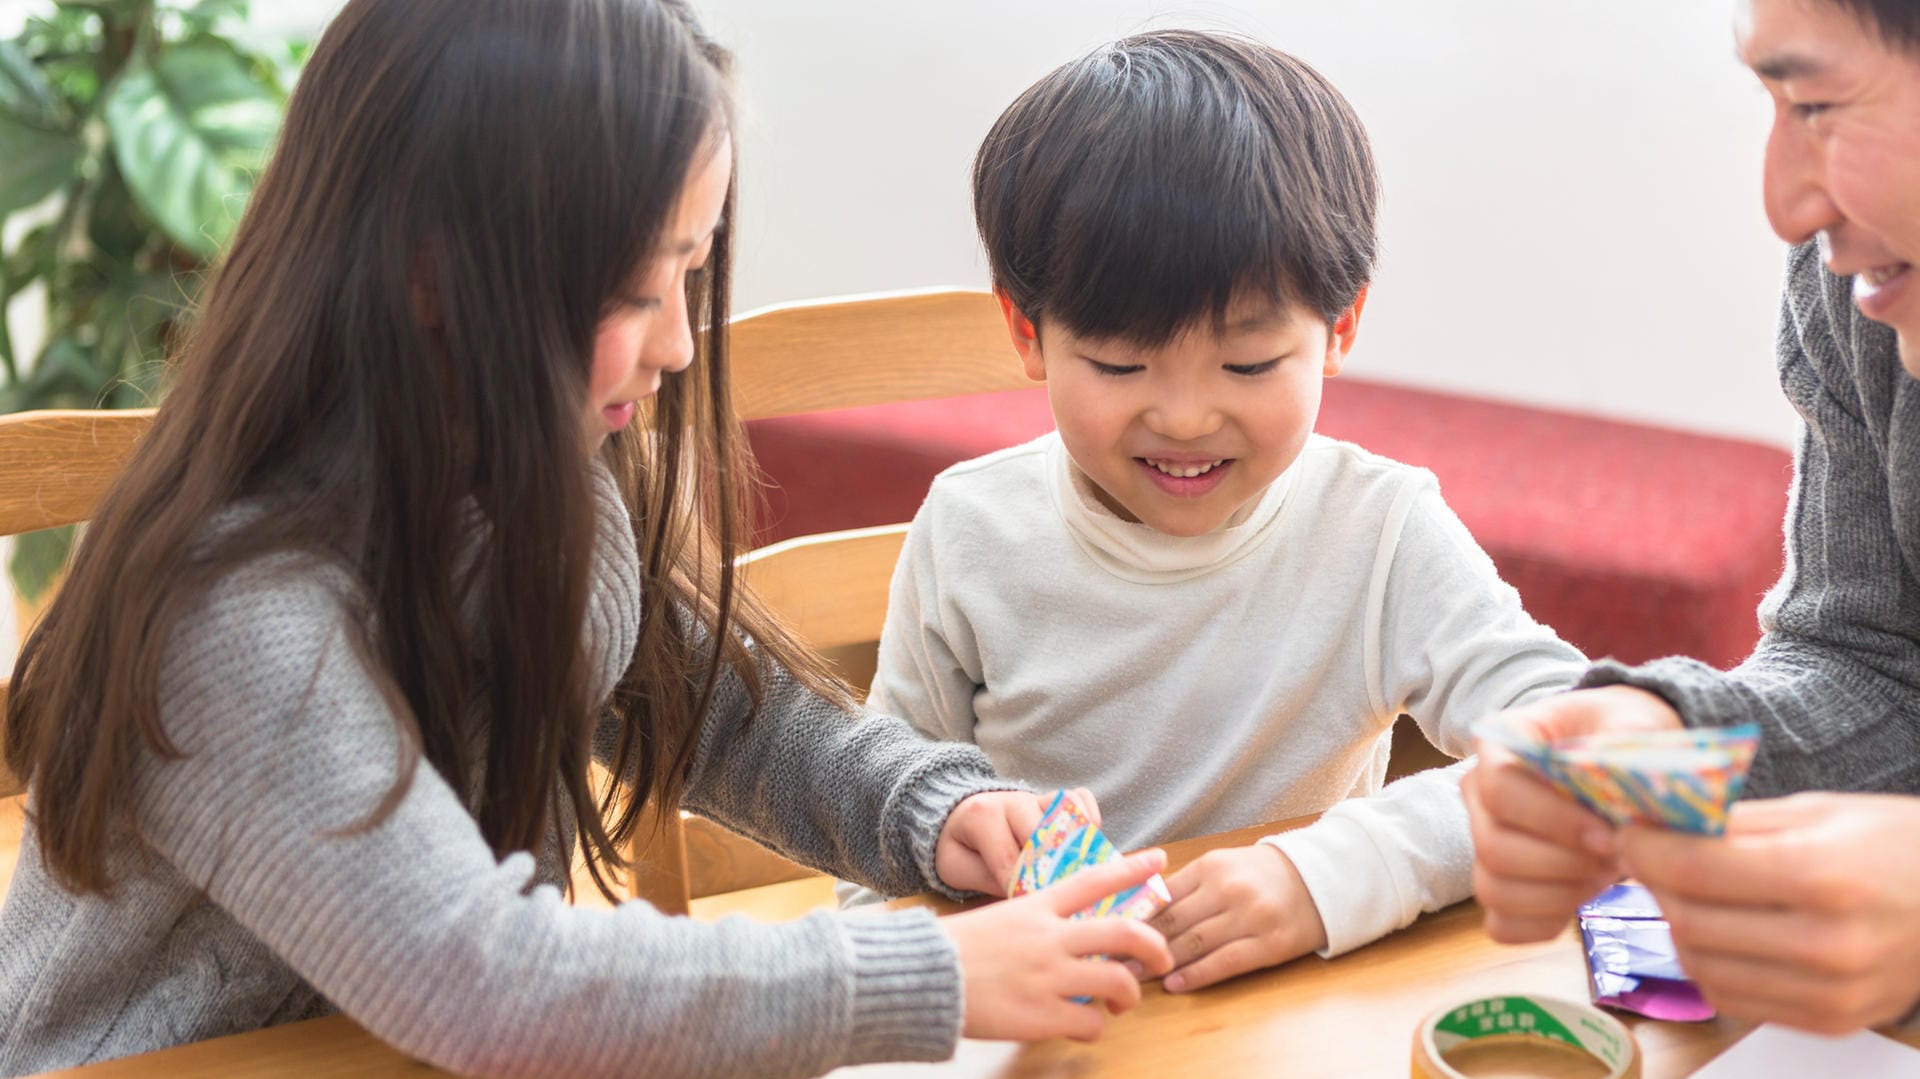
25	93
190	127
38	558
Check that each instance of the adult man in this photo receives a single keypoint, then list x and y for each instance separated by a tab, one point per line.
1808	912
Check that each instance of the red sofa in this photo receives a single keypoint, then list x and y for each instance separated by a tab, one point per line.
1631	541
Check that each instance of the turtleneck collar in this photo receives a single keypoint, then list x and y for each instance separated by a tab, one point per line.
1145	555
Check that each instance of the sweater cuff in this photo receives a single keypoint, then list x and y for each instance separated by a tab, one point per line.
1696	691
930	799
1351	884
907	989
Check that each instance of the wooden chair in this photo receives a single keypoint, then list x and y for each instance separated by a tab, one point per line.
54	468
830	588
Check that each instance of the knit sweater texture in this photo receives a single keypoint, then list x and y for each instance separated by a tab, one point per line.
250	897
1207	683
1835	680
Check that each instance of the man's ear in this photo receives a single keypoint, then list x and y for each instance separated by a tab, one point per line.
1026	339
1340	338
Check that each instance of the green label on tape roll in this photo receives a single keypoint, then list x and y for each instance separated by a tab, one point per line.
1571	1024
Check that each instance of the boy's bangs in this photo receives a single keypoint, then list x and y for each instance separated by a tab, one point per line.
1153	240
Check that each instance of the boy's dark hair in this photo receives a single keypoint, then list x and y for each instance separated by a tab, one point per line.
1896	21
1155	180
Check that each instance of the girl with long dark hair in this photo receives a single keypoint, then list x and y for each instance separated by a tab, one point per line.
449	474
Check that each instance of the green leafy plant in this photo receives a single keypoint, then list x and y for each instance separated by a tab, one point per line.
130	135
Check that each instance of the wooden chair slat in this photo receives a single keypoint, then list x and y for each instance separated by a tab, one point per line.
60	463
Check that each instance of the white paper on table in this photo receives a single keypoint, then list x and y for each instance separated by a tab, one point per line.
970	1059
1784	1052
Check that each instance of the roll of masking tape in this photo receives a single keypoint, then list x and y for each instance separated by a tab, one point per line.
1523	1035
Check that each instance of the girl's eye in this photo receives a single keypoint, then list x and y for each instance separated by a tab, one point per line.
1116	370
639	303
1253	368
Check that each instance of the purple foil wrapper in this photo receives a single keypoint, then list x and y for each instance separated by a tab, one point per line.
1631	962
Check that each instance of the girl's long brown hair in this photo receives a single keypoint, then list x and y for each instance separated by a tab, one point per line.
512	162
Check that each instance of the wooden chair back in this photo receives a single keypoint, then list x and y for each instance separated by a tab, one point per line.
55	466
831	589
787	359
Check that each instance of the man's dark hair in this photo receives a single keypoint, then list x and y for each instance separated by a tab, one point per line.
1156	180
1895	21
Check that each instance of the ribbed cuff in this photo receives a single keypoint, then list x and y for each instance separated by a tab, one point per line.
930	799
1348	880
908	995
1692	688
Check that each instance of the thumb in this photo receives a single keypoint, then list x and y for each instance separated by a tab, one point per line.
1775	814
1090	886
1083	798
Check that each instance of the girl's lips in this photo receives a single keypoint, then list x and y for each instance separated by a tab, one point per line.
1186	486
618	416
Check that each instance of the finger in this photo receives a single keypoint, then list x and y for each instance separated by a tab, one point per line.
1197	940
1806	999
1233	959
1516	855
998	851
1023	816
1733	871
1103	981
1508	791
1529	899
1775	814
1191	904
1120	938
1083	798
1090	886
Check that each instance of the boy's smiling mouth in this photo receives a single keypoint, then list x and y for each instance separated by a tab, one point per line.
1189	478
1180	469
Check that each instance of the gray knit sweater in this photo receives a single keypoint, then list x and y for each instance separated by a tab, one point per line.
1835	681
247	899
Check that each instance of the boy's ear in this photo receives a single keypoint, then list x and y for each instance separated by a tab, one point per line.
1026	339
1340	338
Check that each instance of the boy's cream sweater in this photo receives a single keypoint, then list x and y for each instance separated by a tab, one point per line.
1209	683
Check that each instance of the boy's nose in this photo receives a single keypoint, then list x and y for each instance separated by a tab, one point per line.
1183	418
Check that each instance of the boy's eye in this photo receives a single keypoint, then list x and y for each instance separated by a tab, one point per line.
1113	370
1253	368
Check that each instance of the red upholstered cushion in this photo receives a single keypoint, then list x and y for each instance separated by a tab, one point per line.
1631	541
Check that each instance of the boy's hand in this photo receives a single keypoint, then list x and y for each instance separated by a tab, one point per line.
1807	912
1237	910
1024	960
1537	854
983	836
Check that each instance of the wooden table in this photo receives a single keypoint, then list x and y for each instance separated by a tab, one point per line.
1351	1016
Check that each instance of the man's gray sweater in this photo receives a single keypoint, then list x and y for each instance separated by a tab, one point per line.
1835	681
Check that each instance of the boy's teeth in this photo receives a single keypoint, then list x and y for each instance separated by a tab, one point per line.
1185	472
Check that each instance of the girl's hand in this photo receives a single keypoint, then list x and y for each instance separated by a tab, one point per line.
1237	910
1807	912
1024	960
1537	854
983	836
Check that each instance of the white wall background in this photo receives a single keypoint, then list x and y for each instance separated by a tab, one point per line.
1571	213
1571	216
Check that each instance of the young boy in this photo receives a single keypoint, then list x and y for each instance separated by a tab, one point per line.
1184	599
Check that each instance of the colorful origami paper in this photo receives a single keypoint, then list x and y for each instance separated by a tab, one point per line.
1685	780
1066	842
